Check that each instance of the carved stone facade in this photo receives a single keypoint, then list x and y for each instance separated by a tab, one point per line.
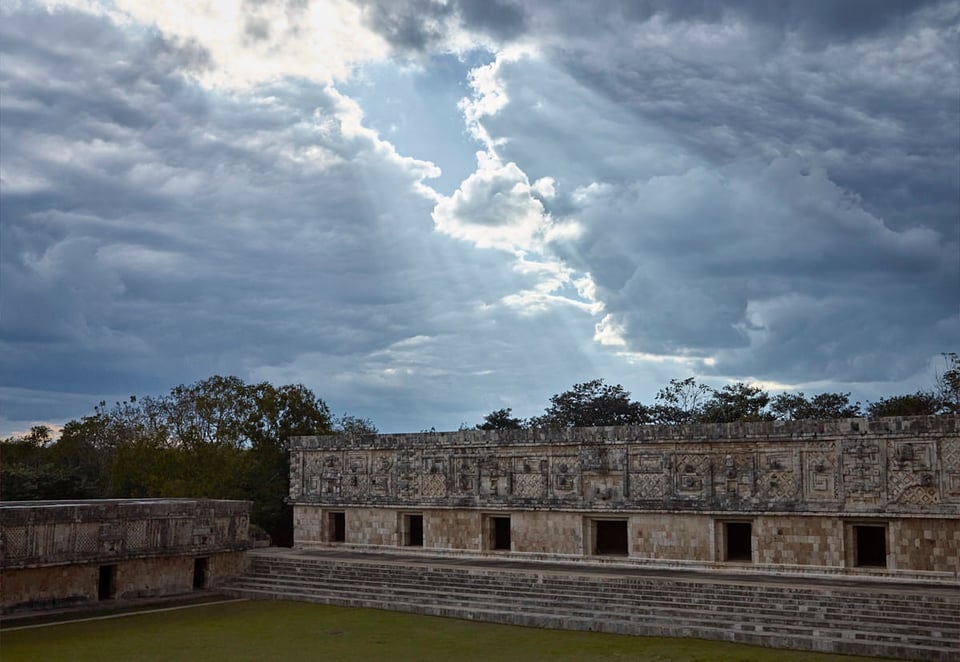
834	494
55	553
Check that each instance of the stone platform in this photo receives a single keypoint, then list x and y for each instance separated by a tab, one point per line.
863	616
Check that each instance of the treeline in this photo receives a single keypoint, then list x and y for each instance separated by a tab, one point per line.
223	438
218	438
595	403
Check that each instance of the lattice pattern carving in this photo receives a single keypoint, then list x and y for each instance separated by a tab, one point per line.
529	486
779	480
15	542
136	534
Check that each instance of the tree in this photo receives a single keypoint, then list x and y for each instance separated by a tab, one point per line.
737	402
948	384
921	403
501	419
680	402
796	406
592	404
355	426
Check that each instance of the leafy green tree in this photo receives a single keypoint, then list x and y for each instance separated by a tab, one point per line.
796	406
680	402
737	402
592	404
501	419
921	403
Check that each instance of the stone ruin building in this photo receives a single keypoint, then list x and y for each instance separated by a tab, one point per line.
70	553
853	496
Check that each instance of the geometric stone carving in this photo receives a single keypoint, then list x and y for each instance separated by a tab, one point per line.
779	482
692	475
530	477
819	473
861	470
734	475
565	470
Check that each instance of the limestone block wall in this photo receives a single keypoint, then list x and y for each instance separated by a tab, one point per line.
541	532
817	494
926	544
794	540
58	553
673	537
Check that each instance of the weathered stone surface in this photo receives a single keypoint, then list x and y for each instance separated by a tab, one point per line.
786	496
61	553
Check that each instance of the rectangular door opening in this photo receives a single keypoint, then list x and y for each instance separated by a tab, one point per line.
871	546
501	533
200	573
336	527
413	530
611	537
739	545
107	583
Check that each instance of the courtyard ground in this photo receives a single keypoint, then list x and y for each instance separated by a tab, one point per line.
262	630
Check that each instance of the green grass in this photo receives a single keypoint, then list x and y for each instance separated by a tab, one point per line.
262	631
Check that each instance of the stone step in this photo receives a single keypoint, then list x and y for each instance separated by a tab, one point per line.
721	599
880	619
393	571
729	613
797	638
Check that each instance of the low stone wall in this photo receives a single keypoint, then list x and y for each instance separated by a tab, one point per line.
61	553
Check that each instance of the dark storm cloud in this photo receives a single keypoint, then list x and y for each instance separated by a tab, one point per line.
418	25
776	189
154	232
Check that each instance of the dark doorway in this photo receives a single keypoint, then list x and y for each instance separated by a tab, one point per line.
739	545
501	533
611	537
107	583
414	528
337	527
871	545
200	573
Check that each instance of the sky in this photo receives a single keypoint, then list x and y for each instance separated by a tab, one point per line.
429	210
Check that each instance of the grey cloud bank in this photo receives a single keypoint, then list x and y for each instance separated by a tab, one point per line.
663	189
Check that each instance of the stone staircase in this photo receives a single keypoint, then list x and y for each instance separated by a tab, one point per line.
864	618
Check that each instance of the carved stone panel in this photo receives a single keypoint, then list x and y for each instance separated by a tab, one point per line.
602	488
356	480
407	475
691	475
495	476
819	469
332	473
862	479
950	454
565	474
649	476
734	475
778	471
466	475
381	474
910	477
312	473
434	479
530	477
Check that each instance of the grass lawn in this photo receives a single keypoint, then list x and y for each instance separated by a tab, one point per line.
260	630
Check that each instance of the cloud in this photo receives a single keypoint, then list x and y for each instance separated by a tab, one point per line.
738	189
